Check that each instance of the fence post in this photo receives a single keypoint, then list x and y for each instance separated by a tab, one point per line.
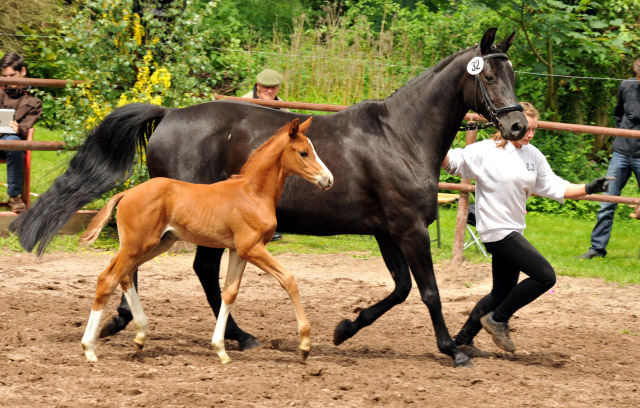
463	208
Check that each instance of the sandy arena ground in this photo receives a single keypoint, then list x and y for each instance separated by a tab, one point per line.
578	346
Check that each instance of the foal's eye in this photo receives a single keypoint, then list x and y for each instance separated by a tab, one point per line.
304	154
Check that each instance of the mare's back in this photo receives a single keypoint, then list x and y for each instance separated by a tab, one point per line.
209	142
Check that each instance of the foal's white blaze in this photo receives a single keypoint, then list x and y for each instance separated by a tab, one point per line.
139	319
218	334
327	174
91	334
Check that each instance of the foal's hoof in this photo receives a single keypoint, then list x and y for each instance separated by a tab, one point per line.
249	342
114	325
304	354
342	332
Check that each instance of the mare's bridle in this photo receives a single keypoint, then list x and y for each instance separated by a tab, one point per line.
486	99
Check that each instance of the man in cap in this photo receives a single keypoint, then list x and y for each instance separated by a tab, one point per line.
267	86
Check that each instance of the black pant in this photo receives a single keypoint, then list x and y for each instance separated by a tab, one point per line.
510	256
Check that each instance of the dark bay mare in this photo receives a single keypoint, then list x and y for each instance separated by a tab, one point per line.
389	152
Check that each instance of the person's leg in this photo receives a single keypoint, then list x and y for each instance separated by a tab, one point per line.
505	277
15	168
635	167
519	253
620	168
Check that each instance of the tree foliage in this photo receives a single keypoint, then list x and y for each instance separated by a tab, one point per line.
181	52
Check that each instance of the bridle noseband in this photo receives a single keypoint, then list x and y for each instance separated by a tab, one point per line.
486	100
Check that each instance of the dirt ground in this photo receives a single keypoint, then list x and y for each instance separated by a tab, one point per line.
578	345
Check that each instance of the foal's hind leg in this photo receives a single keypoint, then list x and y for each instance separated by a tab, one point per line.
129	291
108	280
260	257
231	289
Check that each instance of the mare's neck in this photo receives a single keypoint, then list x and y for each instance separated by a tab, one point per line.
431	107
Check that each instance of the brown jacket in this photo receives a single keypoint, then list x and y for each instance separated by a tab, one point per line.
28	110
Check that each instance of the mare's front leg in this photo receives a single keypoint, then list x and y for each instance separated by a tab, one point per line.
207	267
231	289
399	270
260	257
416	247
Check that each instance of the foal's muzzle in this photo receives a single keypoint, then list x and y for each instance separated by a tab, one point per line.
325	181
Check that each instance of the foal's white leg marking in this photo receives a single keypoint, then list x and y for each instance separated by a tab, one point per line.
139	318
218	333
231	287
91	334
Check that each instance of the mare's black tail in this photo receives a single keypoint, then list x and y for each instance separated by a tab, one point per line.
102	163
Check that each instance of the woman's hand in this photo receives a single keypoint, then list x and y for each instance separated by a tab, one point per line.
599	185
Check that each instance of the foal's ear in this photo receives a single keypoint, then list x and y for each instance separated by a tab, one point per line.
293	127
305	125
507	42
487	41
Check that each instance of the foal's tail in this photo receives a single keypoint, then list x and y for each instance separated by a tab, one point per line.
102	163
100	220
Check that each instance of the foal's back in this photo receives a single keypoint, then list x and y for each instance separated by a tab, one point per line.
205	214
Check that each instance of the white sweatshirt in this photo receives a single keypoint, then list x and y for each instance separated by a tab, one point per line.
505	179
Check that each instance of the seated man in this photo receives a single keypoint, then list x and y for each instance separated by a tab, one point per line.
28	110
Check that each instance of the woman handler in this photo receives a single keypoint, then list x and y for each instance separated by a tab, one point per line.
506	174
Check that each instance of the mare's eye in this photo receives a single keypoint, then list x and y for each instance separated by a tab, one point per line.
489	78
304	154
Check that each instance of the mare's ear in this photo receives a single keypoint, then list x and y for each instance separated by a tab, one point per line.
305	125
293	127
507	42
487	41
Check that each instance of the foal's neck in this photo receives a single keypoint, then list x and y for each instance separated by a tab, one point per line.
263	172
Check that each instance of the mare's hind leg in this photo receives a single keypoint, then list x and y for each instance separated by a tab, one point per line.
260	257
207	267
231	289
399	270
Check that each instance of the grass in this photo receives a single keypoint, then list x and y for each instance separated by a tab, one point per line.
559	239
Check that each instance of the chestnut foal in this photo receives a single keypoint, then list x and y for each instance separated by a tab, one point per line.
238	213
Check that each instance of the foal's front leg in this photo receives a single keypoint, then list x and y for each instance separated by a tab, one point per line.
260	257
229	294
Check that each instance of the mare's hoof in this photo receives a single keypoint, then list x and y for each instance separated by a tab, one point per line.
342	332
114	325
249	342
462	360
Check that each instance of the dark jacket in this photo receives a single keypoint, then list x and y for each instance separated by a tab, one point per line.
28	110
627	115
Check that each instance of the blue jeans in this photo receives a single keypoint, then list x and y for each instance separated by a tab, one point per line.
620	167
15	167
